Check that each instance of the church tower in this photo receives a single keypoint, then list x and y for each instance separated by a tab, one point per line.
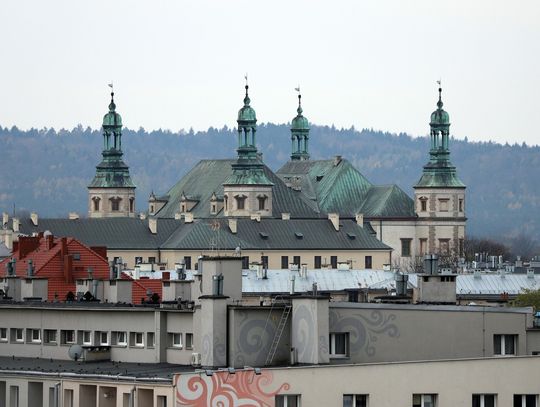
112	192
248	191
299	134
440	194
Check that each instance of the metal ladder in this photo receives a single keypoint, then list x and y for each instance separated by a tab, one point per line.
279	330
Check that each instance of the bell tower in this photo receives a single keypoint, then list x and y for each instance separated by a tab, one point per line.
299	134
440	194
248	191
112	192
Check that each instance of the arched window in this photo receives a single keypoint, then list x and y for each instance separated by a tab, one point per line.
226	202
262	202
131	204
96	202
240	202
423	204
115	204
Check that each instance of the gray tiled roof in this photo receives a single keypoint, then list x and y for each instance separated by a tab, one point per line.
115	233
274	234
208	177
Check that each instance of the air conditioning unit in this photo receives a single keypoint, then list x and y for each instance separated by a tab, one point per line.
195	359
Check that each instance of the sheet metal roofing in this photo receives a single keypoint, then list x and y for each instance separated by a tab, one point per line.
274	234
337	186
207	178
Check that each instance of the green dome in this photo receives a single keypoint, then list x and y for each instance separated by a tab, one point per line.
246	113
440	117
300	122
112	119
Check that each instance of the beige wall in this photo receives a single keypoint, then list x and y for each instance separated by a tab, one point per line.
105	204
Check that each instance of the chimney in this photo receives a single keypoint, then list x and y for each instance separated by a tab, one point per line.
68	268
142	216
291	287
64	250
27	245
256	217
16	225
177	216
73	216
34	218
188	217
5	218
233	225
334	218
50	241
152	225
337	160
285	216
360	219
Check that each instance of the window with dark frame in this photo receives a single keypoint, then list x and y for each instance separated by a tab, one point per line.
284	262
406	247
368	262
355	400
484	400
525	400
504	345
333	262
187	262
317	262
296	260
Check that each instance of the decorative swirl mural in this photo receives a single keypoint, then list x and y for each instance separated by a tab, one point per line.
306	335
363	330
244	388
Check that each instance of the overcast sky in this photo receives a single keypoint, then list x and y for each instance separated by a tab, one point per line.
179	64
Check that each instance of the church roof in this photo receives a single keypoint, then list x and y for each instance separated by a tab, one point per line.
387	201
274	234
337	186
208	177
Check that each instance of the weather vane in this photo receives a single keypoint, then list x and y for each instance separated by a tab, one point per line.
439	82
246	78
111	86
297	89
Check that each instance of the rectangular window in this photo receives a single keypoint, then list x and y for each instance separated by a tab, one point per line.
86	337
423	204
444	246
18	335
333	262
423	247
264	261
284	262
424	400
297	260
187	262
289	400
406	247
245	262
136	339
119	338
150	339
103	338
317	262
355	400
484	400
176	339
49	336
67	337
339	344
525	400
138	260
368	262
115	204
189	341
443	205
3	335
504	344
35	335
151	260
461	205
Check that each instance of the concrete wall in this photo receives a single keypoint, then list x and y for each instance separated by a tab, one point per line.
387	333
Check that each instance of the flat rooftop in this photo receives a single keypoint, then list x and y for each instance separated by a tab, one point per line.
104	370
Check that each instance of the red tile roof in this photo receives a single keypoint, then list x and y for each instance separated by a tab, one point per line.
49	260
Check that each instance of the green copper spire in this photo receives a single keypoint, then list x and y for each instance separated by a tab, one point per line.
248	168
439	171
112	172
299	133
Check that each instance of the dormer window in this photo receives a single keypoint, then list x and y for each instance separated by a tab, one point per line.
240	202
262	202
423	204
115	204
213	209
96	202
183	207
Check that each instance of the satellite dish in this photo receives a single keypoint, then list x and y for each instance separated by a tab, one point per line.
75	352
